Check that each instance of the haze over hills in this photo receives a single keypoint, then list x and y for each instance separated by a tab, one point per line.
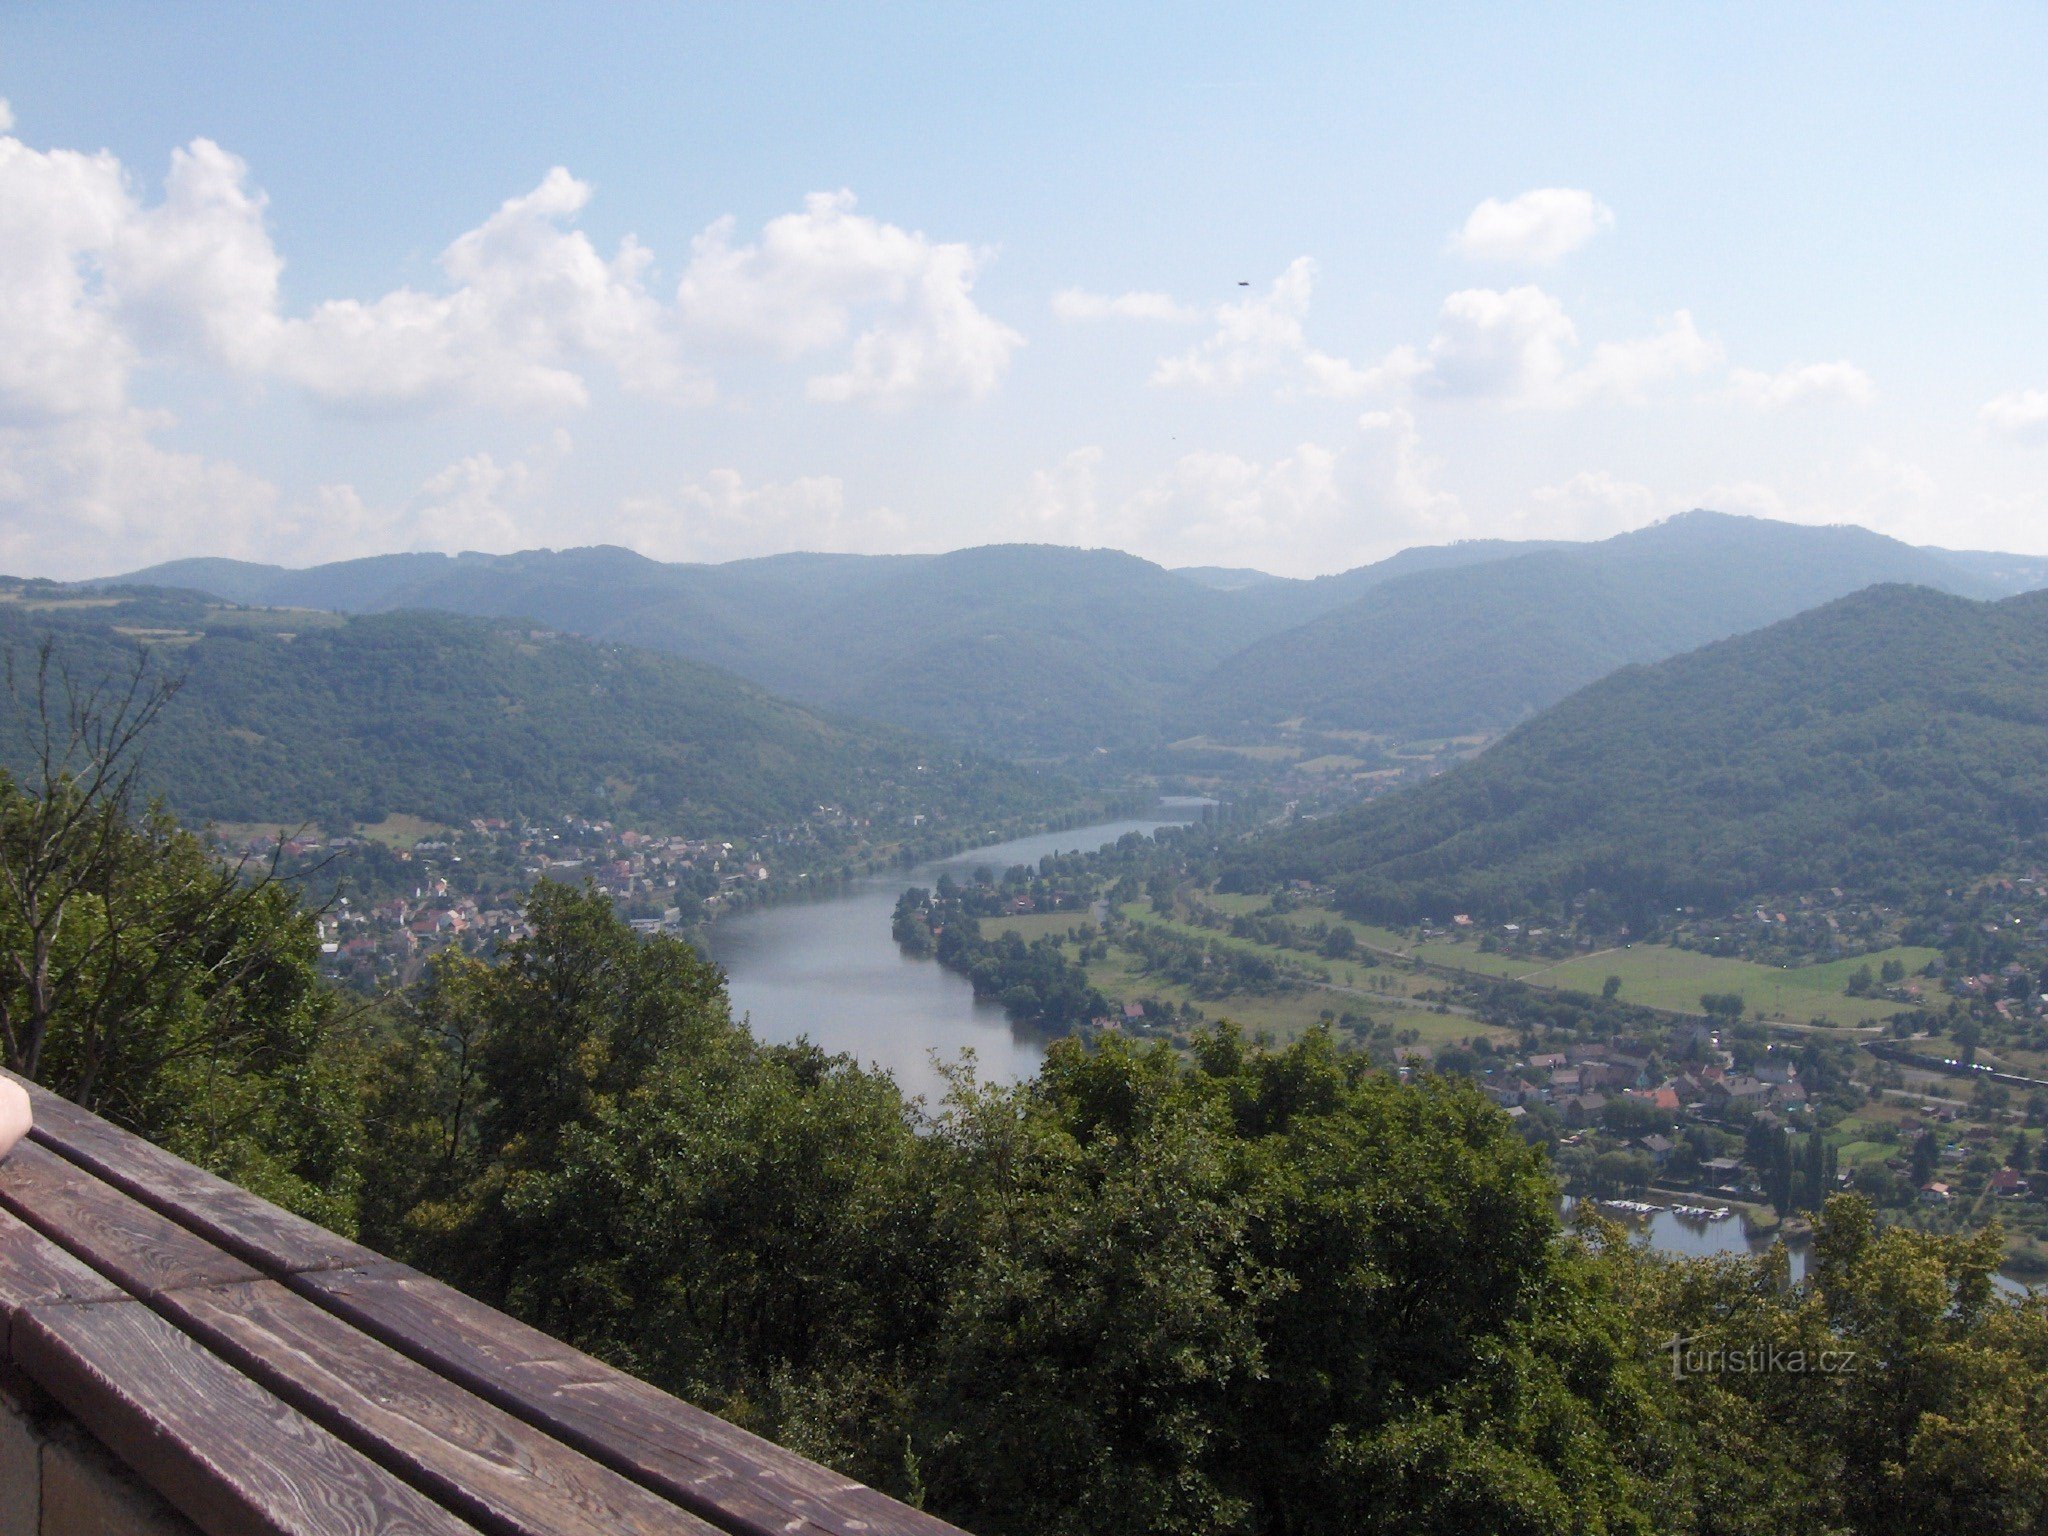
1892	741
1037	650
288	716
1481	646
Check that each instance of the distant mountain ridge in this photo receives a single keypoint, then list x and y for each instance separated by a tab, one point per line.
1044	651
1481	646
1893	741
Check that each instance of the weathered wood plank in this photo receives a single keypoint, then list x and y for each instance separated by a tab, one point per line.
229	1456
252	1229
35	1273
735	1480
489	1466
142	1252
494	1468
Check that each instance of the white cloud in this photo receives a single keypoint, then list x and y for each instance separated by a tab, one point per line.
1594	504
1261	335
1515	345
722	517
62	350
814	275
1539	226
1627	369
1842	381
1079	304
1408	479
2021	415
93	494
531	305
1220	506
197	275
1063	504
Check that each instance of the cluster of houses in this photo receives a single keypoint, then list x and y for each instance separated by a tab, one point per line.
467	887
1579	1083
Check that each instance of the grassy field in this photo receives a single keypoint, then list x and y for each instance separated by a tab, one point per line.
1674	978
1655	975
1034	925
1284	1017
401	830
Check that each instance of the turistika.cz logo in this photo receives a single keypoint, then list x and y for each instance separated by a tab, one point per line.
1691	1358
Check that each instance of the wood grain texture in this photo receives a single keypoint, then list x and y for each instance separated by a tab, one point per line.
35	1272
232	1458
252	1229
142	1252
491	1467
737	1481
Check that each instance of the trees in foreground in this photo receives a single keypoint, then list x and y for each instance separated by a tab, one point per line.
1255	1291
1246	1291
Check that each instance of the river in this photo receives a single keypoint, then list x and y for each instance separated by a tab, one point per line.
828	969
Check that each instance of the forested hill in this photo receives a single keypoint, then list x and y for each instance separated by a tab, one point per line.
1038	650
1026	649
1481	646
1891	742
286	716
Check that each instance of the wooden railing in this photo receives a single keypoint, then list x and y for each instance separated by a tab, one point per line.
264	1375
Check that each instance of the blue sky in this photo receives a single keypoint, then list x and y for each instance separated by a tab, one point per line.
299	283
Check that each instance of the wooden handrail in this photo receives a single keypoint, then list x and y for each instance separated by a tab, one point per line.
494	1424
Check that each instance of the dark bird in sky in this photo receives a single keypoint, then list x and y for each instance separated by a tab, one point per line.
1242	283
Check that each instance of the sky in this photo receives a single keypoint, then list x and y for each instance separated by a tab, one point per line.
1290	287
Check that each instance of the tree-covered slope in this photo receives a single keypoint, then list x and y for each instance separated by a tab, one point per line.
1481	646
1040	650
285	716
1890	742
1021	648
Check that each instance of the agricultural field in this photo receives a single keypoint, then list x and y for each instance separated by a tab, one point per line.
1284	1016
1662	977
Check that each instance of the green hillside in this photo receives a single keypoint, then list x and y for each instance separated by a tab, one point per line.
284	716
1445	651
1894	742
1035	650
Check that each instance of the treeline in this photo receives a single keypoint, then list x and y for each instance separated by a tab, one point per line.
1036	983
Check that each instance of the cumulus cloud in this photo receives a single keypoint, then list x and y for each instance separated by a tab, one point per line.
1408	475
197	274
722	517
1262	335
1540	226
813	276
1842	381
80	495
530	306
1594	504
1079	304
62	349
1517	346
1317	506
2021	415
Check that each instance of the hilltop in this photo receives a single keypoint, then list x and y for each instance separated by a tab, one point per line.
1478	647
1043	651
287	715
1893	742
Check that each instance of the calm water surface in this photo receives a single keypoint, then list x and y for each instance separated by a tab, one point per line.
829	970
